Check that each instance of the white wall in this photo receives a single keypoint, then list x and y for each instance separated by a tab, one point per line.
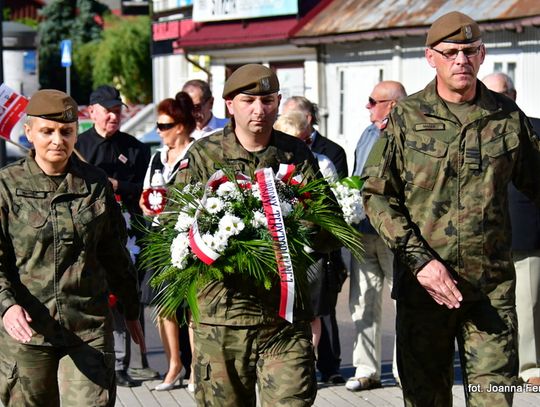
361	65
169	74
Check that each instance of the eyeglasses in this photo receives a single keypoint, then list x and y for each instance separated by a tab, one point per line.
452	53
372	102
165	126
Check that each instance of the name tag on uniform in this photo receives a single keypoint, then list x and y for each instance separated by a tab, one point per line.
30	194
429	126
123	158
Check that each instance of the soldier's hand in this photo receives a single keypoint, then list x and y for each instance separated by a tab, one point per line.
438	282
135	330
16	323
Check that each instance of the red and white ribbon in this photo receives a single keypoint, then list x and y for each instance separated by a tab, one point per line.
272	209
286	172
276	227
201	249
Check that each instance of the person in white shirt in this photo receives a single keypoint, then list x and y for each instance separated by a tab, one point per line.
175	123
203	101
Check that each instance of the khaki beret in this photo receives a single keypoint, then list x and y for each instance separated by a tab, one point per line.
52	104
453	27
252	79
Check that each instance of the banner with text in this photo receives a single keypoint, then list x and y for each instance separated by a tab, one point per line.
218	10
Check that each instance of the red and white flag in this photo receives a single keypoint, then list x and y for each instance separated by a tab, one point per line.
12	106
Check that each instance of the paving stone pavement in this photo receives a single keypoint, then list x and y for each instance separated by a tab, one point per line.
327	396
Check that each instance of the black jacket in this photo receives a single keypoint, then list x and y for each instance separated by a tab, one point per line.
524	215
333	151
122	157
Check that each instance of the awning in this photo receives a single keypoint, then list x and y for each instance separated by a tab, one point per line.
238	34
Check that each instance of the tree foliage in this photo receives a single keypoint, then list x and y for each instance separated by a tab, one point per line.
78	20
106	50
123	58
83	64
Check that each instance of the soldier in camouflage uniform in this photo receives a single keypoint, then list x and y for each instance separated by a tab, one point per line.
436	191
62	249
240	341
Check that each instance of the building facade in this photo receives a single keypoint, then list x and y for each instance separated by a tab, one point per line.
363	42
335	51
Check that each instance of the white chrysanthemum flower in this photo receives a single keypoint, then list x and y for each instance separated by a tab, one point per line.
286	208
221	242
350	200
180	250
259	220
227	190
230	225
213	205
209	240
255	191
184	222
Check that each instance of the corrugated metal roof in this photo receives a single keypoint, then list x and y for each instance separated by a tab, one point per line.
343	20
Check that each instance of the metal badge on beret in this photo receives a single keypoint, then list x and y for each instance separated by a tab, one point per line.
251	79
453	27
52	104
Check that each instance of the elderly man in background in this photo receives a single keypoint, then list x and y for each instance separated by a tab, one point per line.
124	159
368	276
203	101
525	219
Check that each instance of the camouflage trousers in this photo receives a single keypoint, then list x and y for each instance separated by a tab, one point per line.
44	376
486	334
278	358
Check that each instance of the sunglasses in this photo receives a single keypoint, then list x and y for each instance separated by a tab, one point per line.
198	107
165	126
372	102
452	53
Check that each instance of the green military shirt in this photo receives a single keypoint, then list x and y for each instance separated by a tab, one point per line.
62	250
437	189
235	301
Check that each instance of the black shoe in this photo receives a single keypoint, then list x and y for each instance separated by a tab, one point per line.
333	379
123	380
143	373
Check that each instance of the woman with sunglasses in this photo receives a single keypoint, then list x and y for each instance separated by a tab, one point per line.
175	123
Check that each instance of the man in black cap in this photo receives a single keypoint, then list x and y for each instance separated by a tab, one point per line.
436	191
240	340
124	159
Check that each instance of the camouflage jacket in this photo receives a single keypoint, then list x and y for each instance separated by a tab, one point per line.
437	189
62	248
236	301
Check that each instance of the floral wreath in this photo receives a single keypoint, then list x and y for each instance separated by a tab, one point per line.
262	226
